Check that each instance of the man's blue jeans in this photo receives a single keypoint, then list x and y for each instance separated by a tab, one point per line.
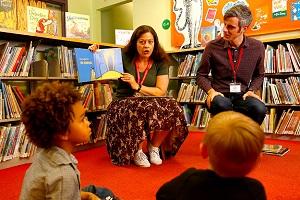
251	106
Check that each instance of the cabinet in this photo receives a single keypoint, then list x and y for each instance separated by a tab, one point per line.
29	60
280	91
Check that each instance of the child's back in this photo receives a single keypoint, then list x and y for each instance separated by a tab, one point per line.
232	144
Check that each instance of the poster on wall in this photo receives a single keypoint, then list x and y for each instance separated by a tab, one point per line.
269	16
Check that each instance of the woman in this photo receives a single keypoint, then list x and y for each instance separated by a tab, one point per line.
140	110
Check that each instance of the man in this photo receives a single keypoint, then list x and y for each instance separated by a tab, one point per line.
236	63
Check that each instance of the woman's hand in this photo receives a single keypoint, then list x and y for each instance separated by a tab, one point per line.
88	196
93	47
128	78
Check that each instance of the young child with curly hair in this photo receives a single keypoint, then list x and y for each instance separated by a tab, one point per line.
233	145
55	122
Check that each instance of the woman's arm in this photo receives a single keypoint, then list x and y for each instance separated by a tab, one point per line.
160	89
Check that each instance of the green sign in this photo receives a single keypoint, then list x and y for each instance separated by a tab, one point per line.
166	24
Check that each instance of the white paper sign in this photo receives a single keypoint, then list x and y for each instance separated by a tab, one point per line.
122	37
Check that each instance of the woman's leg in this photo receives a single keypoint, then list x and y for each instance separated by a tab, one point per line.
157	139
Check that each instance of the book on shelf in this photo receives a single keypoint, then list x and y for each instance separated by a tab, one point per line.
275	149
36	19
77	26
104	64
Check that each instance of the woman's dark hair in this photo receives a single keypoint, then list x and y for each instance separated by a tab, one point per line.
158	55
48	112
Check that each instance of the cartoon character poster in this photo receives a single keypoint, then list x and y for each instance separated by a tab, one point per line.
188	17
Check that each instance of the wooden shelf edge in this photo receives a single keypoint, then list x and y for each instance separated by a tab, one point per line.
89	145
282	137
57	38
15	162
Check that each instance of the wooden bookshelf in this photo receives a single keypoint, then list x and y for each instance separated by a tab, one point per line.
29	83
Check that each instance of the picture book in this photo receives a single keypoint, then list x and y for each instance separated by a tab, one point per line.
37	19
104	64
208	33
77	26
8	16
275	149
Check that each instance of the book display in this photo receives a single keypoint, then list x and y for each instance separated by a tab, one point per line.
27	60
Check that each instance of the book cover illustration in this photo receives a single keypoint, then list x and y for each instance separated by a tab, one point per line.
208	33
8	17
41	20
77	26
104	64
275	149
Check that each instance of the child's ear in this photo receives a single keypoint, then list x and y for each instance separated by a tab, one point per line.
203	150
63	136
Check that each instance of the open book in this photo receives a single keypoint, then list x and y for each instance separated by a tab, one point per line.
104	64
275	149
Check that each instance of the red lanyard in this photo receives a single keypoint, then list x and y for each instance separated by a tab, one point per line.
145	72
233	66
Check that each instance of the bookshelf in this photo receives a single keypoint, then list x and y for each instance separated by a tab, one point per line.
289	80
15	148
183	87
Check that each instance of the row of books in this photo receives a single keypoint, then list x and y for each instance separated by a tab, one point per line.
11	98
287	124
282	59
96	96
98	128
281	91
191	93
22	60
190	65
199	118
15	60
14	143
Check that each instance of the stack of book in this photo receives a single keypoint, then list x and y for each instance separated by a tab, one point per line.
275	149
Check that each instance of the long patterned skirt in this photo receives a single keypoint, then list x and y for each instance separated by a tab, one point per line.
131	120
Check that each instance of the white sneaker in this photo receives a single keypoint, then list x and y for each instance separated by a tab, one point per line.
154	155
141	159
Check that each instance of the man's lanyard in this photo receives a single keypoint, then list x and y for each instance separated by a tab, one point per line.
235	67
139	81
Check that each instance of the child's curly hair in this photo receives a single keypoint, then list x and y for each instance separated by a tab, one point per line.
48	111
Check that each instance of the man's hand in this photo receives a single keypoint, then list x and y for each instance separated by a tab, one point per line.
211	95
251	94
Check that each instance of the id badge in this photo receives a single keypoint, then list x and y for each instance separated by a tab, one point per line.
235	87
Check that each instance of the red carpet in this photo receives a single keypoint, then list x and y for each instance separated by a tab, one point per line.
280	175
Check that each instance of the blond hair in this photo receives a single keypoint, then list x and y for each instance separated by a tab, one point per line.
234	143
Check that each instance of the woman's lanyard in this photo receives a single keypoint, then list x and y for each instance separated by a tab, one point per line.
139	81
235	67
